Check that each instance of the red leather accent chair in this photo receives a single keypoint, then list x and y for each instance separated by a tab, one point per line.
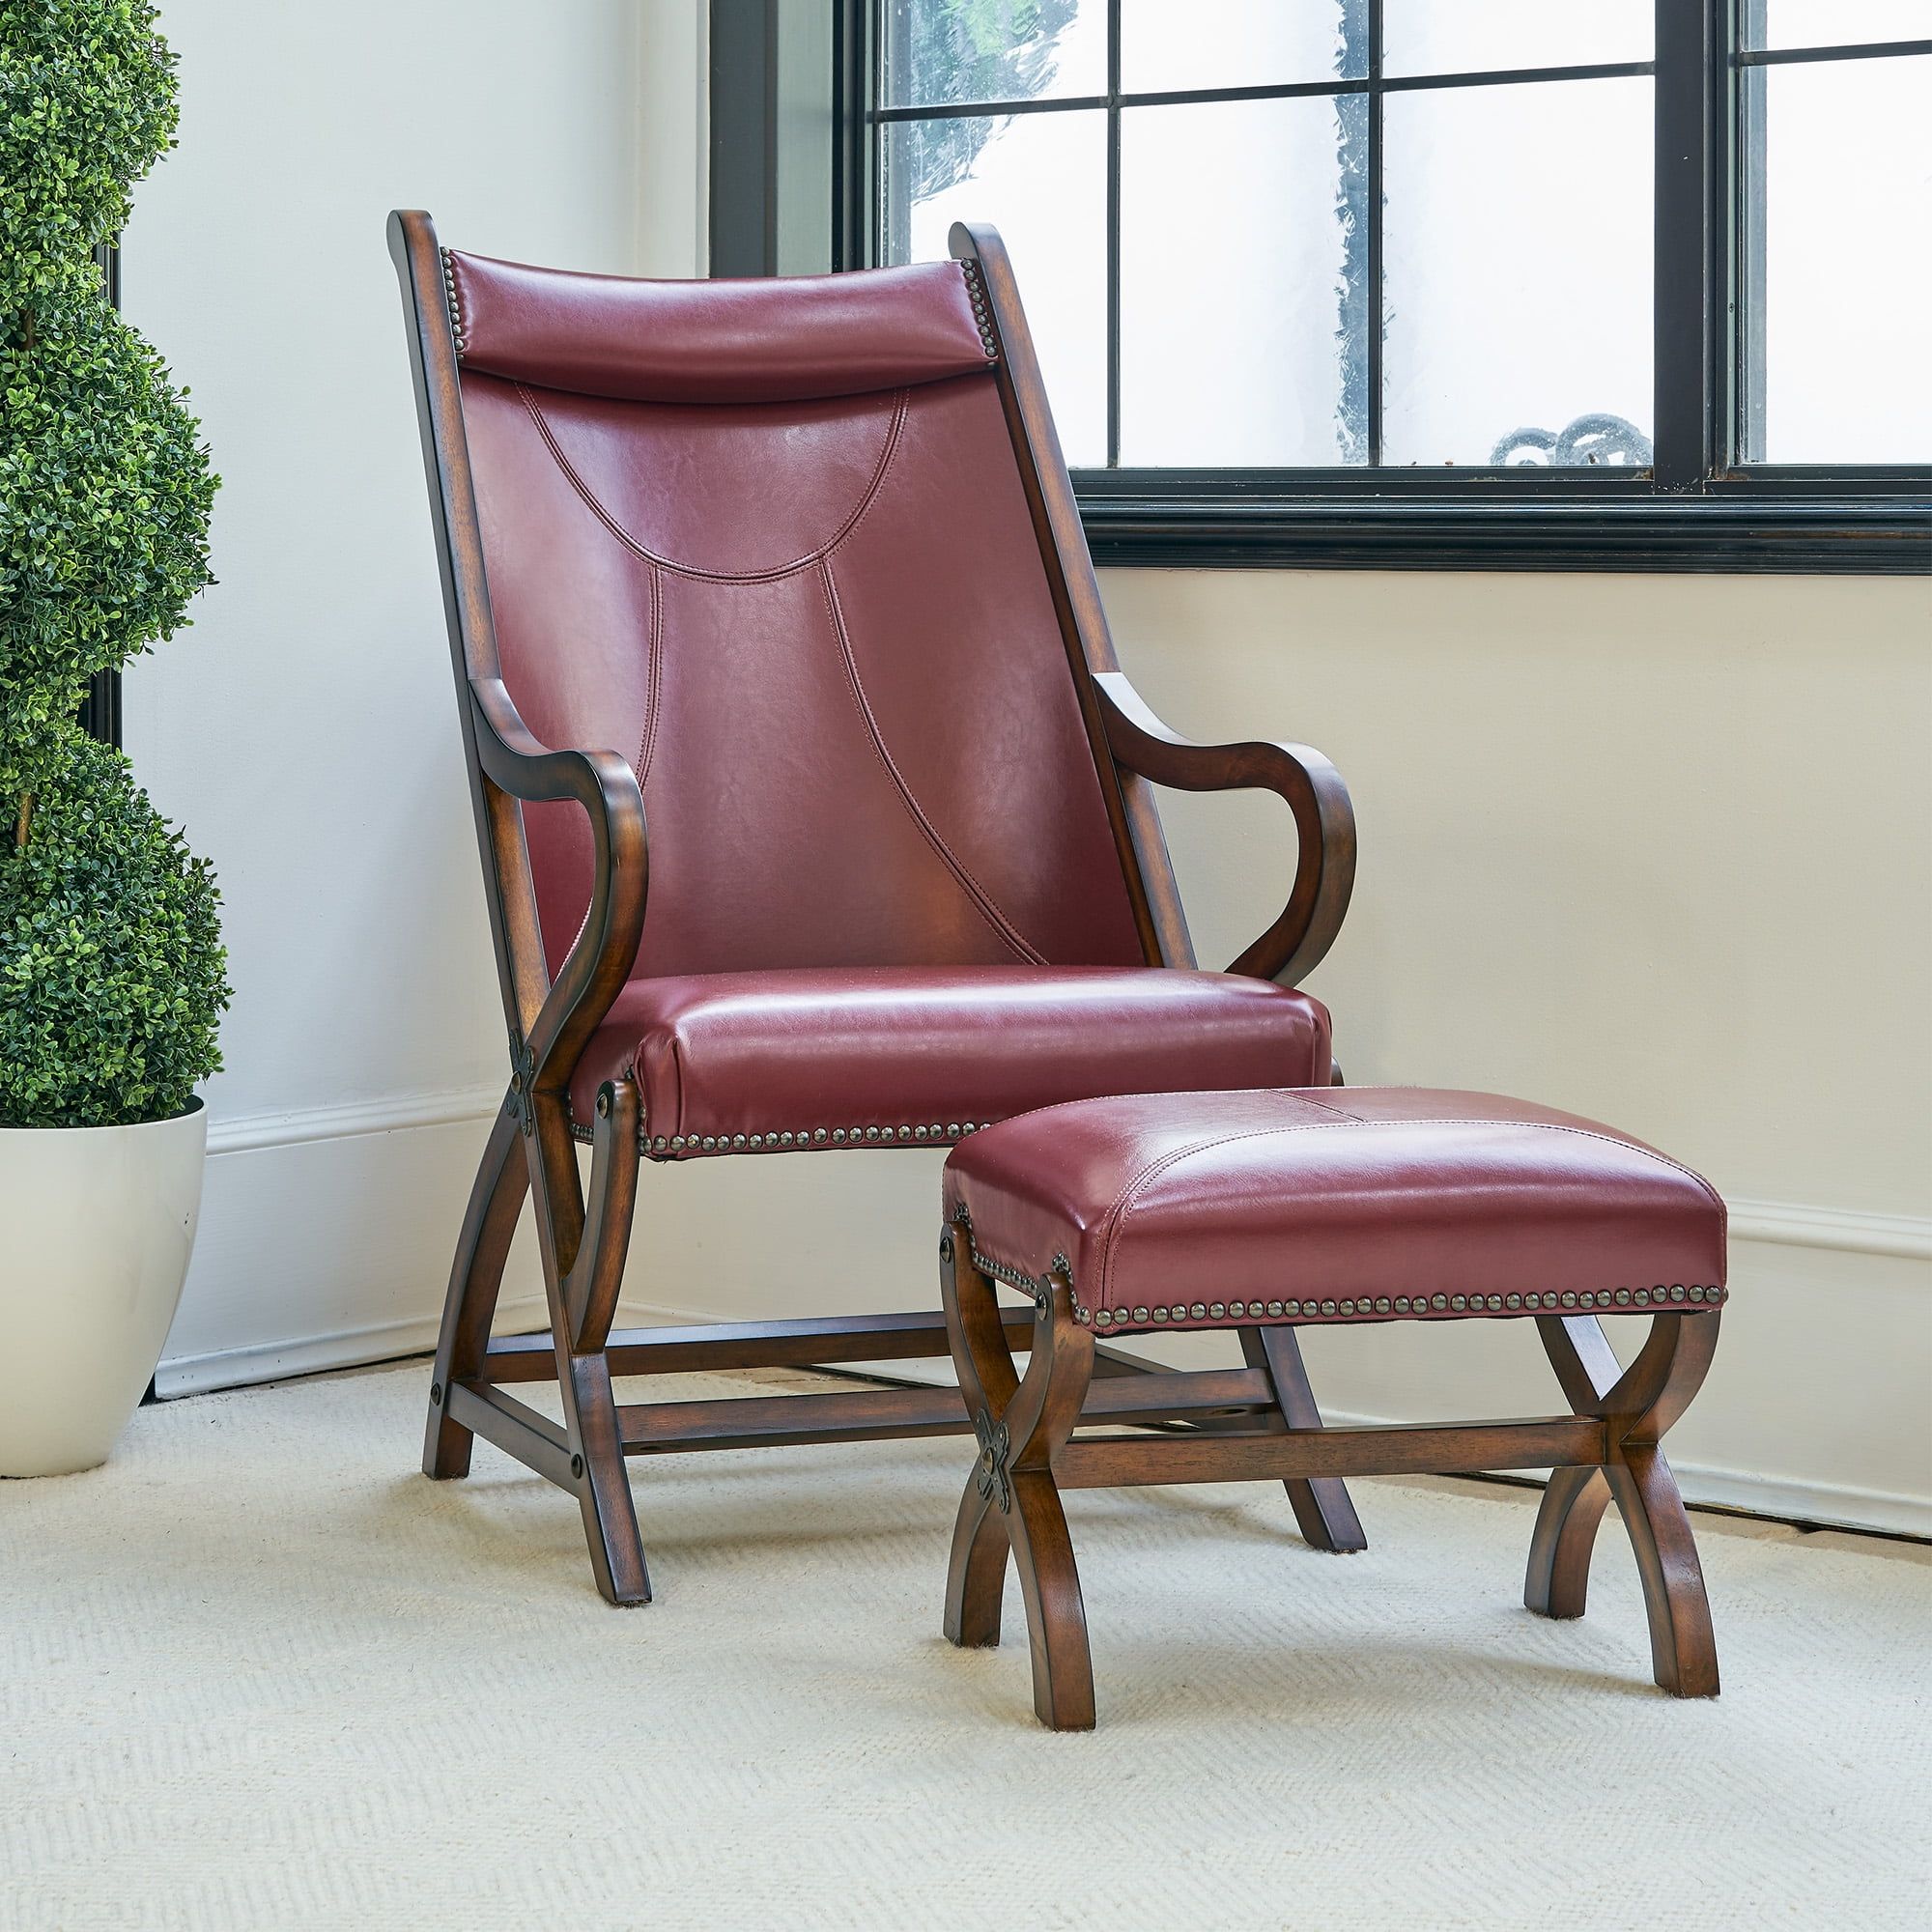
790	572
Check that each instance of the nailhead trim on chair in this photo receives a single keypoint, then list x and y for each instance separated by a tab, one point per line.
456	328
938	1134
976	289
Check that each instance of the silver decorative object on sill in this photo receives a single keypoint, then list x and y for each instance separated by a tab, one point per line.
1599	438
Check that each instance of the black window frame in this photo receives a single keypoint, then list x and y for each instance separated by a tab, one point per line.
787	122
100	707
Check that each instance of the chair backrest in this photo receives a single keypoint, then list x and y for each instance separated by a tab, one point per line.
773	540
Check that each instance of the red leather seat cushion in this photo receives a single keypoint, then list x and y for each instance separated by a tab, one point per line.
764	1062
1358	1203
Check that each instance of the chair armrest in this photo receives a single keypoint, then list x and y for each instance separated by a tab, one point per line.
600	963
1325	872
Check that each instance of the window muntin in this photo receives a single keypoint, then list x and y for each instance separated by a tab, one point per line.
1406	327
1514	293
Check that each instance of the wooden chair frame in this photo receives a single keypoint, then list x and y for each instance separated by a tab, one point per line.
1607	1447
584	1242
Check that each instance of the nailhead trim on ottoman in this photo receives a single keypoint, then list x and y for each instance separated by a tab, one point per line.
1380	1308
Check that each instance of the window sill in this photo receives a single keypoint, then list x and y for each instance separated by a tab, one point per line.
1225	528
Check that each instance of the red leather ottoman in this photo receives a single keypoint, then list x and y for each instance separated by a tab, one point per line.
1279	1208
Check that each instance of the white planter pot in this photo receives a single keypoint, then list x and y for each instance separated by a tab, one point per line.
96	1225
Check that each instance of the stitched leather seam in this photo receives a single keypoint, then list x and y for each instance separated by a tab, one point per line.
1557	1127
988	907
647	744
595	505
1117	1214
1343	1117
678	1084
981	900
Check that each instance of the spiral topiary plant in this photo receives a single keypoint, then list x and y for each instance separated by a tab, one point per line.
112	975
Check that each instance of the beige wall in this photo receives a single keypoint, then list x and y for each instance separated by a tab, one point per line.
1655	848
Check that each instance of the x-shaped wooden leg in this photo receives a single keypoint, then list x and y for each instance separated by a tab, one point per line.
1011	1503
496	1204
583	1254
1638	1404
1322	1509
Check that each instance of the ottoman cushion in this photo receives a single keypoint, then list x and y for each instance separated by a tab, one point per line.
1198	1210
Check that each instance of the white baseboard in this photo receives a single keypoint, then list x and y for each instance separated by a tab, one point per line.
341	1348
1850	1230
1788	1498
325	1240
242	1133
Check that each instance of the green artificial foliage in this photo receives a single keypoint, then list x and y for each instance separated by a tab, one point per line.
112	975
87	106
111	966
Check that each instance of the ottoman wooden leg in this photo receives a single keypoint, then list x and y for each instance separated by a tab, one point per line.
1322	1509
1562	1542
489	1225
975	1578
1683	1649
1011	1504
1637	1404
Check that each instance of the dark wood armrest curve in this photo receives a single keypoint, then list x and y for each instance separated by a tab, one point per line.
600	963
1312	789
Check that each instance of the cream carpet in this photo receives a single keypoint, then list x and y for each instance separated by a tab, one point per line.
258	1674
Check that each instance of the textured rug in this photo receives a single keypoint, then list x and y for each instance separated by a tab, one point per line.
258	1674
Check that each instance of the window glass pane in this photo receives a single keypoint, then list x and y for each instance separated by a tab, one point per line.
1830	23
1229	352
934	52
1475	35
1517	272
1042	180
1165	48
1846	275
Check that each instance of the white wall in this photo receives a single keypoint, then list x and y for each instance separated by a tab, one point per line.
1653	848
304	729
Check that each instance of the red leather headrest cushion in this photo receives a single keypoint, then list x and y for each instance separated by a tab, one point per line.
775	340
